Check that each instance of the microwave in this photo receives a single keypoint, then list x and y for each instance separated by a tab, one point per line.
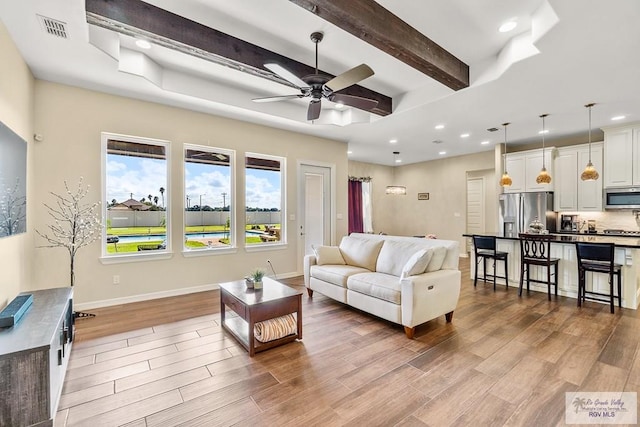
622	198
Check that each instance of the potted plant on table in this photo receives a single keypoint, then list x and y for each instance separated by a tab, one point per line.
256	277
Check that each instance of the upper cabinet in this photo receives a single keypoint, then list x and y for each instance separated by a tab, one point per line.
524	166
571	192
590	192
622	156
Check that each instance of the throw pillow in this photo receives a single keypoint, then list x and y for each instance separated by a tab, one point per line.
417	264
329	255
394	255
439	253
360	252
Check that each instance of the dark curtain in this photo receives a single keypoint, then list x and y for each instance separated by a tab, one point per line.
355	207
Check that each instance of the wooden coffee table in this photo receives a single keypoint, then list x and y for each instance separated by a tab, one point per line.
255	305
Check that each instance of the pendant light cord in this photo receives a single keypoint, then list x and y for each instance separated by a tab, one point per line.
505	146
543	132
589	107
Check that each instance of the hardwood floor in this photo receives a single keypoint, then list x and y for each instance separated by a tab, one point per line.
504	360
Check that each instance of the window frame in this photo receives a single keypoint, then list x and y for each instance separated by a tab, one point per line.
107	258
282	243
232	247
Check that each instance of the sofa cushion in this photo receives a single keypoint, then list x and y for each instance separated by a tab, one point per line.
394	256
417	264
335	274
329	255
378	285
360	252
439	253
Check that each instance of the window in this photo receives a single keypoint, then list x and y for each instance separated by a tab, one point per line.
136	195
208	189
264	198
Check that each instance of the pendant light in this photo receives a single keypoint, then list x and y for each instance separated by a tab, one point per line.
396	190
543	177
505	181
590	173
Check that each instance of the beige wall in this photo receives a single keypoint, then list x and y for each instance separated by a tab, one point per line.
71	120
444	214
16	111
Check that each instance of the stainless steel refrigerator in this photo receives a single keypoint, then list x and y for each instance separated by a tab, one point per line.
518	210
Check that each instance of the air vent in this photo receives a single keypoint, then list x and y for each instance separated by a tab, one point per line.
437	141
54	27
493	129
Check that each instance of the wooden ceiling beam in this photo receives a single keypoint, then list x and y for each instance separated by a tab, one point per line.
369	21
125	15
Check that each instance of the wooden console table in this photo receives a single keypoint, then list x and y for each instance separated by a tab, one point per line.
33	359
255	305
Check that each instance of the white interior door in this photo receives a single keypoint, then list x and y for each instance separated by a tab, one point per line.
475	207
314	209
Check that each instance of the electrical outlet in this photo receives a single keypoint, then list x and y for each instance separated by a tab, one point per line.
116	279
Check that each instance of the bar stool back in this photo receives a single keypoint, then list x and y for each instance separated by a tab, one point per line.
598	258
485	248
535	249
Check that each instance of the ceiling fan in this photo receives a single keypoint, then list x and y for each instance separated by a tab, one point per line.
317	86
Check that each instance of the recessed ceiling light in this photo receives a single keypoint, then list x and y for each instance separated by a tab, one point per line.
398	160
442	153
143	44
393	141
618	118
339	105
508	26
439	127
543	131
349	152
464	135
484	142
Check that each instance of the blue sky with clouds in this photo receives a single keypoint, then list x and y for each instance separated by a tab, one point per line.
144	176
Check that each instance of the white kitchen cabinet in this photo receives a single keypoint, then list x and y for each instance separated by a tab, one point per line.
566	180
590	192
515	167
523	167
619	156
571	192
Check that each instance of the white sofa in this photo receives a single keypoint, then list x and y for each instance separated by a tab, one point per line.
405	280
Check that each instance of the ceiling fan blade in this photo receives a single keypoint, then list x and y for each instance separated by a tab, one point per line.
314	109
349	78
354	101
286	74
277	98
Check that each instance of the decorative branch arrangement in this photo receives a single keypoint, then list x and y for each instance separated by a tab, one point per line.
76	225
12	211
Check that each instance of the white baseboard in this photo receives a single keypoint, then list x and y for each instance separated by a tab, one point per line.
157	295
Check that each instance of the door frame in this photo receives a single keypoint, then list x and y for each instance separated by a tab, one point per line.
300	208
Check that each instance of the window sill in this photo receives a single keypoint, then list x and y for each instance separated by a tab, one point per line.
208	252
135	257
266	247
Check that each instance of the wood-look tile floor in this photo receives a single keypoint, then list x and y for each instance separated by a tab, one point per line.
504	360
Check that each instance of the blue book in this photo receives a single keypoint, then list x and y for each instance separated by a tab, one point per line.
15	310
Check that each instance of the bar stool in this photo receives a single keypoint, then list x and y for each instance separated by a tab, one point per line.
598	258
535	249
485	248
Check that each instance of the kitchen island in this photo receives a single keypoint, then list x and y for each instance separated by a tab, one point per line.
627	253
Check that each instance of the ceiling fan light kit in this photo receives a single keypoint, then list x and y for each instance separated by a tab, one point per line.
318	86
590	173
